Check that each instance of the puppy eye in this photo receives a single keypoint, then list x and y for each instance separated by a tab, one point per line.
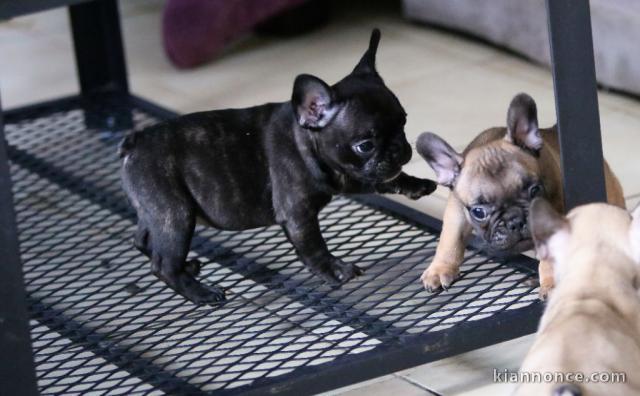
535	190
365	147
479	213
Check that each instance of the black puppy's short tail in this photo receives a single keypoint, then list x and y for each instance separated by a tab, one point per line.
567	390
126	145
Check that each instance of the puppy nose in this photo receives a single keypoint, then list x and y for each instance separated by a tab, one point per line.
383	167
514	225
514	222
400	150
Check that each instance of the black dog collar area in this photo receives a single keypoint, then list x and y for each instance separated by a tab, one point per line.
101	322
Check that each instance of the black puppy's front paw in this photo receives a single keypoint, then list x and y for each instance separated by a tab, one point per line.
336	271
415	188
343	272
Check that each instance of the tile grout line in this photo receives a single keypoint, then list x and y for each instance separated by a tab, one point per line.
417	384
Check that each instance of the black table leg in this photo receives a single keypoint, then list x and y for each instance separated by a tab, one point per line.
98	46
100	61
17	372
576	101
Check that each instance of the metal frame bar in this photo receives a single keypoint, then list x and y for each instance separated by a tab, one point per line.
100	60
351	369
17	369
576	101
12	9
97	42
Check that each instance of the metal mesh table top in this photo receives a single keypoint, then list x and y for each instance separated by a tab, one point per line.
102	322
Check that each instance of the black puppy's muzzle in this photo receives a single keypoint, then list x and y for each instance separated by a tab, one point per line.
400	151
386	172
397	154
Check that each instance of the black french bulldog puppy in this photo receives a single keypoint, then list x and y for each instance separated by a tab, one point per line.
279	163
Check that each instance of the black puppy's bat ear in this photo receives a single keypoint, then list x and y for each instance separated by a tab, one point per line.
544	222
313	102
367	64
522	123
441	157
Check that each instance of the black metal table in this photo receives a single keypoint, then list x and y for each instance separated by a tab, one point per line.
80	311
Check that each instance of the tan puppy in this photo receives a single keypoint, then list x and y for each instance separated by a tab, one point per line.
492	184
592	320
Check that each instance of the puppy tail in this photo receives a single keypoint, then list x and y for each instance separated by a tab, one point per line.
126	145
567	390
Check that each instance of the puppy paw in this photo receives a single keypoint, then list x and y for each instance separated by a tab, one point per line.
419	188
545	289
545	274
336	271
343	272
201	294
196	292
438	276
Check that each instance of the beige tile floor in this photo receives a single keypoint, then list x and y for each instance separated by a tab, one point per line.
448	84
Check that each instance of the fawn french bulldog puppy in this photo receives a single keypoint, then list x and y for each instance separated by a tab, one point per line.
278	163
592	320
492	183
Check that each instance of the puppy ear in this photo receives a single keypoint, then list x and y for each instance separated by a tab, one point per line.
441	157
522	123
367	63
634	234
545	222
313	102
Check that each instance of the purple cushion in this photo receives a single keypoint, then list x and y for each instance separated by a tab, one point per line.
195	31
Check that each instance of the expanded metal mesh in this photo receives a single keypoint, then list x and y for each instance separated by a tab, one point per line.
102	322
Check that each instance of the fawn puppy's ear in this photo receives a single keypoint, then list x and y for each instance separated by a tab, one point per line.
522	124
441	157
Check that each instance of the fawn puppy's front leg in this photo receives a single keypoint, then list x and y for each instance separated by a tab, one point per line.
445	266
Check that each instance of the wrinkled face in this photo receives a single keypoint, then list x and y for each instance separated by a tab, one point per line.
496	185
366	138
497	179
357	125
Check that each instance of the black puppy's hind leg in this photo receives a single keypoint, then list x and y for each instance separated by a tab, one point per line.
171	237
142	242
141	239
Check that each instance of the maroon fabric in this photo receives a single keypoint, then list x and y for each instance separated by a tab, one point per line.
195	31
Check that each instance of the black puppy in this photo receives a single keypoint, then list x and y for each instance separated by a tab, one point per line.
277	163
